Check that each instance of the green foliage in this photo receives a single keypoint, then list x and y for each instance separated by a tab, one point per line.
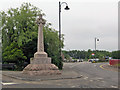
0	38
116	54
87	54
15	55
66	56
76	54
29	49
18	25
51	43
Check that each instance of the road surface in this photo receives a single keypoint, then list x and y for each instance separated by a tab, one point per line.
92	77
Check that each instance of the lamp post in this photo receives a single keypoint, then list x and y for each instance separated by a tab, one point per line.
96	39
66	8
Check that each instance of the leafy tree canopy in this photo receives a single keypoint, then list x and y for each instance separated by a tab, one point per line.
19	26
13	54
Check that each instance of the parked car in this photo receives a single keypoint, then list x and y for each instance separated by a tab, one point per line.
90	60
93	60
96	59
80	60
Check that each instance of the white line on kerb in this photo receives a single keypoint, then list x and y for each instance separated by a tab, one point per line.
8	83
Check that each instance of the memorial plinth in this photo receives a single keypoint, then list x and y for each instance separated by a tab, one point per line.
41	63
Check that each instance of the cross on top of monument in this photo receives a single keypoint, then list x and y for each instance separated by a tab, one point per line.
40	20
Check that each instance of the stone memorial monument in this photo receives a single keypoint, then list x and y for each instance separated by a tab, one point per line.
41	63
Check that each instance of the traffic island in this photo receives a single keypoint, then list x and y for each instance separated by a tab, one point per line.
66	74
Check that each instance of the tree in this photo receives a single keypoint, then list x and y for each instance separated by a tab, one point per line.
18	25
14	54
0	39
51	43
87	54
116	54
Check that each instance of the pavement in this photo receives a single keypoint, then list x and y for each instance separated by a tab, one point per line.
66	74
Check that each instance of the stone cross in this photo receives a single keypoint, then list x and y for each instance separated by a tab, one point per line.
40	44
41	63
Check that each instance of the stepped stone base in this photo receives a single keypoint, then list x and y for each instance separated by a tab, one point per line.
41	69
40	54
41	60
41	65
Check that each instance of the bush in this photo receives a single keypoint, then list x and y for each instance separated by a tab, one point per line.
13	54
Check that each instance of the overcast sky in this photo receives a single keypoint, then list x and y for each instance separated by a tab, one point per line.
85	20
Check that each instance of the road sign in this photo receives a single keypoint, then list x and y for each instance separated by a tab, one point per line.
93	54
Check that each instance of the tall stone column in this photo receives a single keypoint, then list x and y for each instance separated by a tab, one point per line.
40	44
41	63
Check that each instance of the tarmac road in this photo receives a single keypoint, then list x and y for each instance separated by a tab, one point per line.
92	77
95	75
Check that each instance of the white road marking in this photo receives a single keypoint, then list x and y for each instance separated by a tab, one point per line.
91	80
8	83
73	86
85	78
73	66
99	78
81	75
114	86
95	65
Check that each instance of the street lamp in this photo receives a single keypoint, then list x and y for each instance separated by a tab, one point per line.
96	39
66	8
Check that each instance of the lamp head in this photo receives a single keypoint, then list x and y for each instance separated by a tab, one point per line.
67	8
97	39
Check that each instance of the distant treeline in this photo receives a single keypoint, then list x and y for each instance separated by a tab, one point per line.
101	54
